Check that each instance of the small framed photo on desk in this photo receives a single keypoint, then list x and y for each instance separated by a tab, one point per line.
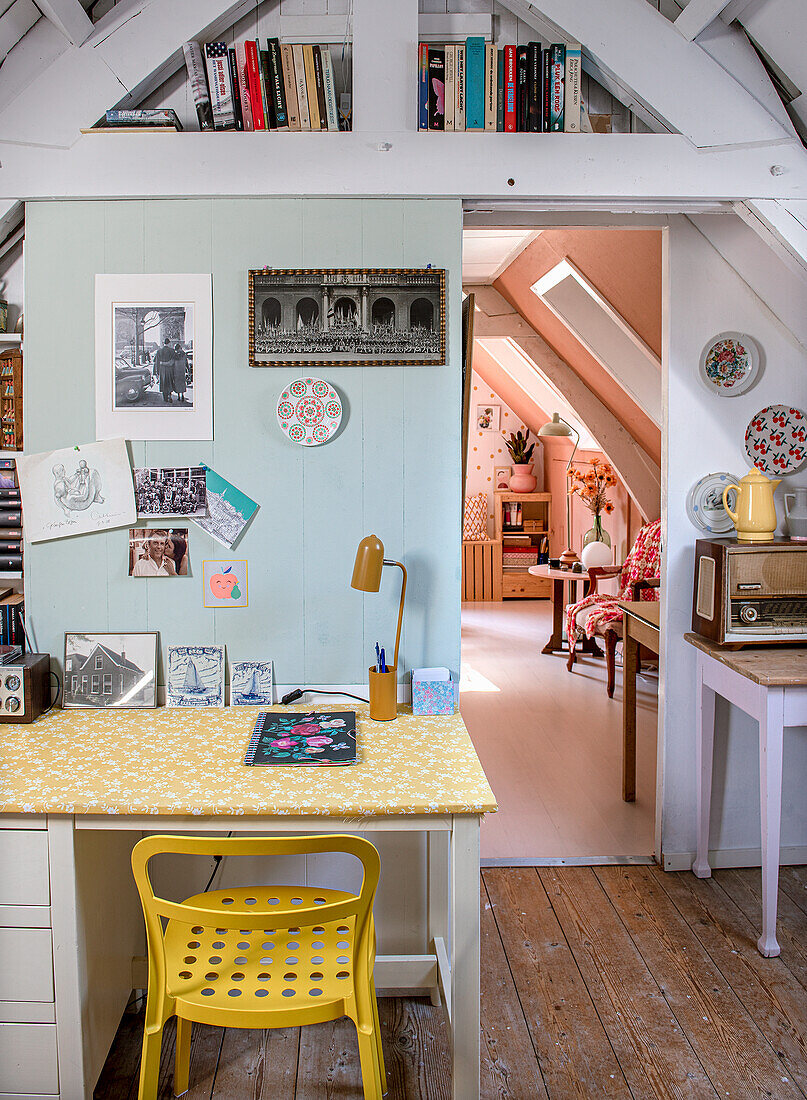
106	671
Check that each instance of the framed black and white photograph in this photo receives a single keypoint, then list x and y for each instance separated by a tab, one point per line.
103	671
171	491
347	317
153	356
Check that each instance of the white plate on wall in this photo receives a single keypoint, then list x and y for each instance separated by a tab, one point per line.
309	411
705	504
729	364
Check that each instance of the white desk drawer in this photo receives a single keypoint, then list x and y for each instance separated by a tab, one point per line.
24	867
26	964
28	1059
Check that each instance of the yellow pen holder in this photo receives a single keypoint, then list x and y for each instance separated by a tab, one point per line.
383	695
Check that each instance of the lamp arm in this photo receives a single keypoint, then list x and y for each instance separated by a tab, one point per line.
568	493
400	610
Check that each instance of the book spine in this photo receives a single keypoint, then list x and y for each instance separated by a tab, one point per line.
243	85
547	84
558	64
318	76
534	99
490	86
521	89
500	91
10	518
290	86
218	75
9	494
10	546
423	86
302	93
437	70
311	86
276	88
459	106
254	81
450	92
475	83
571	94
510	89
11	562
266	87
235	84
195	65
330	89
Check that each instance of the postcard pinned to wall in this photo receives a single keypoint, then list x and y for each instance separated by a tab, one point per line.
228	510
225	583
76	490
195	676
251	684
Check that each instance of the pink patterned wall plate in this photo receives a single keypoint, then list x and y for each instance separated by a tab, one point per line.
776	440
309	411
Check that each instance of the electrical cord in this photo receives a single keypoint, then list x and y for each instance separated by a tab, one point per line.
55	700
217	864
293	696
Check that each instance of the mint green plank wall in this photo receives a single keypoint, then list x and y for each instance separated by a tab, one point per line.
393	468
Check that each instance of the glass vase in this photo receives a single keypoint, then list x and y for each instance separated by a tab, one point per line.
597	534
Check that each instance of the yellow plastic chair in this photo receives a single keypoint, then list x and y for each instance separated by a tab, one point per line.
259	957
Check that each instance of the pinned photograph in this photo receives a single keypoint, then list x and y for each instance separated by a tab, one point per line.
171	491
195	676
488	417
153	356
110	670
228	510
76	490
159	552
251	684
225	583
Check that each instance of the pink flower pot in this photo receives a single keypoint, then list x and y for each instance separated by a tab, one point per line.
522	479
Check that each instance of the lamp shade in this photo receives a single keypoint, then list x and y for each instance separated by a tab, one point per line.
367	567
555	426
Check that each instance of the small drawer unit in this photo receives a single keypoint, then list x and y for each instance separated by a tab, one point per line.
24	876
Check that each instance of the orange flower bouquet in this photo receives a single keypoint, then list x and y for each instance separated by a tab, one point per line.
592	487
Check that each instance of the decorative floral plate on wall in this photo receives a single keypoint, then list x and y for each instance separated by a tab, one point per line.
309	411
729	364
776	440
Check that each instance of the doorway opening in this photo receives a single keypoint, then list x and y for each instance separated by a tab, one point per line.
563	464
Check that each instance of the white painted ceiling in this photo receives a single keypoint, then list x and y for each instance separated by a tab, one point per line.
487	252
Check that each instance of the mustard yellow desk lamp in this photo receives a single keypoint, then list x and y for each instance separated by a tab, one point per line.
367	569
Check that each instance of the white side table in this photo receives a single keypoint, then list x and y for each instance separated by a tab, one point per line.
770	684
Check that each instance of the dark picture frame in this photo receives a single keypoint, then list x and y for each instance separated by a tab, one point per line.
99	675
347	317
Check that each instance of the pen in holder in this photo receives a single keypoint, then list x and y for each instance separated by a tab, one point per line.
383	694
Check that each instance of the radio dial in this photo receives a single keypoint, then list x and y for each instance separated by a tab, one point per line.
749	613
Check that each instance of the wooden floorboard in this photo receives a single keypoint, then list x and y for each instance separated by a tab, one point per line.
623	982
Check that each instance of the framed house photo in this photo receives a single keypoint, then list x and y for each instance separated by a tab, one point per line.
154	356
347	317
106	671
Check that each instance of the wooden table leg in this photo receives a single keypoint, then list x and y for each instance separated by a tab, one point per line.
771	735
465	945
705	740
630	657
555	642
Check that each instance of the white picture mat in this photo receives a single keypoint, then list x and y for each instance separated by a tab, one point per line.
112	503
158	423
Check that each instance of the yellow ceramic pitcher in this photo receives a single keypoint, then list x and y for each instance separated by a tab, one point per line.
755	518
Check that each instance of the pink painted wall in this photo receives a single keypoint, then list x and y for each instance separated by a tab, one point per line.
625	266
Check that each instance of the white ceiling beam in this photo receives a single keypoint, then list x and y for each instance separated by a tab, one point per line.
697	16
666	78
783	225
69	17
15	22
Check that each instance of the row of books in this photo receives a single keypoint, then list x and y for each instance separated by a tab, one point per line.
515	89
245	87
10	518
513	515
12	616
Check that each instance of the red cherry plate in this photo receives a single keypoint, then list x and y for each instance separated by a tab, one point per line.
776	440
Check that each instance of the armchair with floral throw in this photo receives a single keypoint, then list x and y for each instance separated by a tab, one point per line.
598	613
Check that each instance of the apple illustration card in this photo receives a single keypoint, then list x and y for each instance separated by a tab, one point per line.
224	583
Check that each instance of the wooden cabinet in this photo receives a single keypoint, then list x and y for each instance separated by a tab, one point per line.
11	400
533	524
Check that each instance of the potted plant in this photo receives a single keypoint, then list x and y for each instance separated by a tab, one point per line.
522	479
592	488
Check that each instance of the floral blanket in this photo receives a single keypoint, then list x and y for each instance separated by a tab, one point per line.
642	563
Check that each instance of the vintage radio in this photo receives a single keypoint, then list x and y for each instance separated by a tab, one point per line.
747	593
25	688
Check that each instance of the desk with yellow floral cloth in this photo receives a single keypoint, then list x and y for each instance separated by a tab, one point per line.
79	788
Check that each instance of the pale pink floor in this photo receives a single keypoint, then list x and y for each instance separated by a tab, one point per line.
550	741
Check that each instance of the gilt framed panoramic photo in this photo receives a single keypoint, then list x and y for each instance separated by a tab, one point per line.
347	317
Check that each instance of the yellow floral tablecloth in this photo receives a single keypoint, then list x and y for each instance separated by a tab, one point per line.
182	761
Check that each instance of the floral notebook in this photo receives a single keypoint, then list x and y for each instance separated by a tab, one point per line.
319	739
